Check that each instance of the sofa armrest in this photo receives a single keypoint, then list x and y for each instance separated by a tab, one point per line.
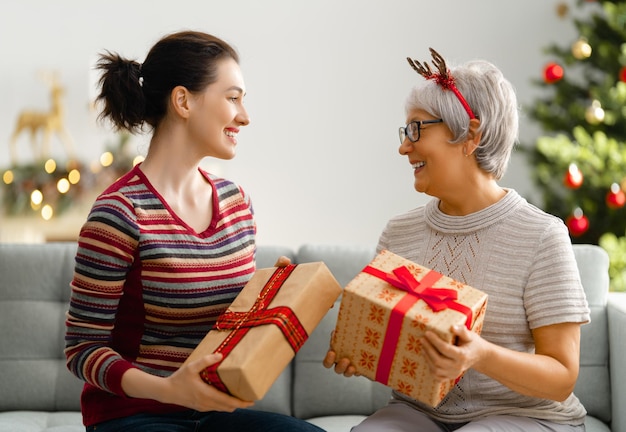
617	339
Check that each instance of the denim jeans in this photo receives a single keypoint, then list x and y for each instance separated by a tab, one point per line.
241	420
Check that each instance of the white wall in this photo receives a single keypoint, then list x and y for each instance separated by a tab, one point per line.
326	82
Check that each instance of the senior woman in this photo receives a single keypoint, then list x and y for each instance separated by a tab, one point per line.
519	374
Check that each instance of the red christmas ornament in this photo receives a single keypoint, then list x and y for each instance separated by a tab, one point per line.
622	74
615	198
552	73
573	177
577	223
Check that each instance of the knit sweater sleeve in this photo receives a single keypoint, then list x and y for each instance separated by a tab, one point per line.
554	292
106	252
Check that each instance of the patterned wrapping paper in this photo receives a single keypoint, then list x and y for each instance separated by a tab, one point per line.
379	326
259	335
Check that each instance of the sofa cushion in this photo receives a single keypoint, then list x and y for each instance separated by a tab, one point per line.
593	265
344	262
33	297
319	391
39	421
616	312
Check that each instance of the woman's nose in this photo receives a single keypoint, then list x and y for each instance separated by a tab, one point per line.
242	117
405	146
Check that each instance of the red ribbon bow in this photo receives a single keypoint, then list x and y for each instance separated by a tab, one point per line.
437	299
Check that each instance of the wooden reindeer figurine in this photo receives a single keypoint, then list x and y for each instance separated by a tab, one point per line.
48	122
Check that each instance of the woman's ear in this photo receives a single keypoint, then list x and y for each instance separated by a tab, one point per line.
473	137
180	101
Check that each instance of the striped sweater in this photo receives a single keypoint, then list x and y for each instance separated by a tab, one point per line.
523	259
147	287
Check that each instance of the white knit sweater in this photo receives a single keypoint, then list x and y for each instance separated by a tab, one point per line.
523	259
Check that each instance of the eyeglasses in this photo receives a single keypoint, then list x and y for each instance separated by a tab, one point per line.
413	129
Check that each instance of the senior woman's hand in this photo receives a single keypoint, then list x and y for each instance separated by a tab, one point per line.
342	366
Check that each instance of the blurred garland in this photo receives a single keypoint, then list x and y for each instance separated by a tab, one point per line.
51	188
32	188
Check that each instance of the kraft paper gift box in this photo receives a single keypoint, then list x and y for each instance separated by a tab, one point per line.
384	313
265	326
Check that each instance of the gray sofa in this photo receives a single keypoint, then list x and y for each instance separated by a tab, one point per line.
37	393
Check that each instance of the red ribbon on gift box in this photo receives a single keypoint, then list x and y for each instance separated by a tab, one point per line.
241	322
282	316
436	298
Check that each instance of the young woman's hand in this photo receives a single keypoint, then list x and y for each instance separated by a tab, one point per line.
282	261
184	387
191	391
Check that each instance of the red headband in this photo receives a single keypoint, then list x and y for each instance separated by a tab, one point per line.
443	78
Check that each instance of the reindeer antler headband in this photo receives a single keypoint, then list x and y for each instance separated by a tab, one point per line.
443	78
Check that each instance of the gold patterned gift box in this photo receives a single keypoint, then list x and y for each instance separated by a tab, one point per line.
265	326
385	311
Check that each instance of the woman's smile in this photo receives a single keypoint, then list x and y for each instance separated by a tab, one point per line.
417	166
231	133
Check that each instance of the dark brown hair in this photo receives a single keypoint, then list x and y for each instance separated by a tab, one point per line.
135	94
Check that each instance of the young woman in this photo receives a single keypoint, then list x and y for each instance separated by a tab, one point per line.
520	372
166	248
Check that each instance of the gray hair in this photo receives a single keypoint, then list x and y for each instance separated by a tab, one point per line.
493	100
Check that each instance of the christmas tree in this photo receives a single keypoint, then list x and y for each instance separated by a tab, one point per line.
580	163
